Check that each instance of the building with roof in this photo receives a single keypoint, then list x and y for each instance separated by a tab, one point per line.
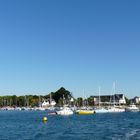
109	99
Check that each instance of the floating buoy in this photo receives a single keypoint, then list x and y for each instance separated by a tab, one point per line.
45	119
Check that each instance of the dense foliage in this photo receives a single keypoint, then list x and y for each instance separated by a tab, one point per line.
34	100
61	96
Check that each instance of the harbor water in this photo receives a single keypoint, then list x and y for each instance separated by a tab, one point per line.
29	125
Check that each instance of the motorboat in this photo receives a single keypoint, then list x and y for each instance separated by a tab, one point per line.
65	111
85	111
132	108
114	109
39	108
52	113
101	110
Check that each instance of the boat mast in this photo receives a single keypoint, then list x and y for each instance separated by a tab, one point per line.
39	102
99	95
50	98
114	86
83	97
63	100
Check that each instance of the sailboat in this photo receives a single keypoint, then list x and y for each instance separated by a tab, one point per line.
114	108
42	105
65	110
84	110
100	109
51	104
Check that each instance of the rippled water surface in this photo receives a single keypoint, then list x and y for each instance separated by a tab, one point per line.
29	125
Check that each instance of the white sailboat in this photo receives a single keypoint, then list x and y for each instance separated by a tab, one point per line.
114	108
42	105
51	104
65	110
100	109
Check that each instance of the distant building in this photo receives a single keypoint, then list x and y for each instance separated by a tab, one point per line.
48	103
45	104
135	100
109	99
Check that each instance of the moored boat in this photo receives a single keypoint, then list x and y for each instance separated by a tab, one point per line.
52	113
85	112
114	109
132	108
101	110
65	111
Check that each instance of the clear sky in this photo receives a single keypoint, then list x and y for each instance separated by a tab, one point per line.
77	44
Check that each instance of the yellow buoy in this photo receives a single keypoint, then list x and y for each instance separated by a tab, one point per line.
45	119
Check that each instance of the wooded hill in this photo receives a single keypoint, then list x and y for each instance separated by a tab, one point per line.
34	100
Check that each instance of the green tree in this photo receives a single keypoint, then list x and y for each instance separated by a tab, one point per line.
79	101
59	94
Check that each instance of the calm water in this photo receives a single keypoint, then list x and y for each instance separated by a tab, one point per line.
29	125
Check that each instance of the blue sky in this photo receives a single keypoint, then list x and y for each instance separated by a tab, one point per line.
77	44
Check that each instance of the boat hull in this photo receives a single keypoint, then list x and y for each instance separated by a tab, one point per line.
65	111
85	112
101	110
131	110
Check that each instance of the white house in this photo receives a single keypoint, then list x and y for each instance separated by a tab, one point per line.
48	103
136	100
44	104
109	99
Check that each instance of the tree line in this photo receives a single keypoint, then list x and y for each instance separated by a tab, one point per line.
35	100
61	96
